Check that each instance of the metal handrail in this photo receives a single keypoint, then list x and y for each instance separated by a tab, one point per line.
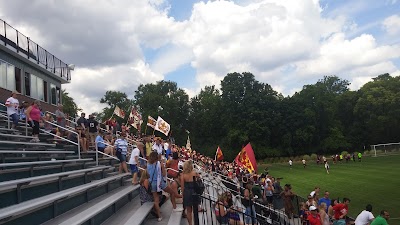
51	113
97	151
79	145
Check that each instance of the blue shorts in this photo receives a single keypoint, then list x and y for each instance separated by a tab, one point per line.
134	168
121	157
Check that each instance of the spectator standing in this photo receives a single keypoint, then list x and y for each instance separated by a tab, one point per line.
365	217
148	146
341	211
287	196
121	148
382	219
158	147
134	162
154	170
60	116
325	200
314	218
33	115
187	179
12	105
93	126
323	215
82	121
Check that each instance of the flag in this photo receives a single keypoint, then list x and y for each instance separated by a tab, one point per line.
188	145
151	122
119	112
218	155
135	119
162	126
247	159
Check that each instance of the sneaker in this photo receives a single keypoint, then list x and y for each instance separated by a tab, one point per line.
159	219
33	140
178	209
37	140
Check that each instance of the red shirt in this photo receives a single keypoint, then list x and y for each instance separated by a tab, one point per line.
314	220
340	209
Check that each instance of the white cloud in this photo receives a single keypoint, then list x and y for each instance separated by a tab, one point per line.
284	43
392	25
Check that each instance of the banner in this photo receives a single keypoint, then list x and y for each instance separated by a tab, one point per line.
151	122
119	112
188	145
135	119
247	159
162	126
218	155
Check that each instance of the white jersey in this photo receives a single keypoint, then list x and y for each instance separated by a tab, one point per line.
290	162
364	218
12	105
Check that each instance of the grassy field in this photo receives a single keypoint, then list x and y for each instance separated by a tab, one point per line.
375	181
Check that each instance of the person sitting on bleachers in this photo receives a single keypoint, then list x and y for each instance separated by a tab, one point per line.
82	141
101	145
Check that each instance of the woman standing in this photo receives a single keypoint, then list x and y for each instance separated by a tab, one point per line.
323	215
154	170
287	196
189	198
33	117
247	202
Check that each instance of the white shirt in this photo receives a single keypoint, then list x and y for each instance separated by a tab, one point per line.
166	145
290	162
12	105
364	218
135	152
158	148
304	161
312	193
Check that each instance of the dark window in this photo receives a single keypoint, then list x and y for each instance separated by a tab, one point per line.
53	94
45	91
18	80
27	84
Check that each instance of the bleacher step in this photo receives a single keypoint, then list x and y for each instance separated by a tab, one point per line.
90	209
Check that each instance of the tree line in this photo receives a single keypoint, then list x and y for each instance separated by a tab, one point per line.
324	118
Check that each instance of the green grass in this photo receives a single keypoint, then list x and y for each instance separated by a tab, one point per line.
374	181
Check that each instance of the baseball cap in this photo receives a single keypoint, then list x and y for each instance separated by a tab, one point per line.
312	208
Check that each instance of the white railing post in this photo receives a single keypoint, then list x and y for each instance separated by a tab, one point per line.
97	153
26	126
79	146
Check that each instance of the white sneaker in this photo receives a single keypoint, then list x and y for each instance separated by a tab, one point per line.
178	209
159	219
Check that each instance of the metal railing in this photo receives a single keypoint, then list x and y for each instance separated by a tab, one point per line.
97	151
24	46
70	121
64	139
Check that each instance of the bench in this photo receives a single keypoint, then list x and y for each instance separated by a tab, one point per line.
16	136
34	152
2	165
19	184
15	211
140	214
27	143
89	213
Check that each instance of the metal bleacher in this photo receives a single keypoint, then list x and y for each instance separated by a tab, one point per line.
50	183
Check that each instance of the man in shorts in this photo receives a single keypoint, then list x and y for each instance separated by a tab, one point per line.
134	162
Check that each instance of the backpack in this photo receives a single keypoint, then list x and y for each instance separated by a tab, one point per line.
199	186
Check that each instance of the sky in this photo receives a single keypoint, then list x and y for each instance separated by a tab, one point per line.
120	44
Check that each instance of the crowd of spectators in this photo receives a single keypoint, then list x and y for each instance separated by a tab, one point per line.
158	159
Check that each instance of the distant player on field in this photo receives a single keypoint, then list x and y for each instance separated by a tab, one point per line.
327	167
304	163
290	163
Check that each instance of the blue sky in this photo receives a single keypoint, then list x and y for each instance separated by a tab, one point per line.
118	45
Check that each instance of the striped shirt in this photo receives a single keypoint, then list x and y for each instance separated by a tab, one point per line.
122	144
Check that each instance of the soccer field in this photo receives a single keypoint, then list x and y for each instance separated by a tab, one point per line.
373	181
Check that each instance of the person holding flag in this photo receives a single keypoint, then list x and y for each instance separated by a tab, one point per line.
246	159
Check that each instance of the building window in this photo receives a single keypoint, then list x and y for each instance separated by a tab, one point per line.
53	92
37	88
27	84
45	91
18	80
8	76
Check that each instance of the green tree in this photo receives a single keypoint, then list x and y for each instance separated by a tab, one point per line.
165	99
69	105
113	99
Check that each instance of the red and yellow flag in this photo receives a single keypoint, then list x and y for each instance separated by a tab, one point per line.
247	159
218	155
